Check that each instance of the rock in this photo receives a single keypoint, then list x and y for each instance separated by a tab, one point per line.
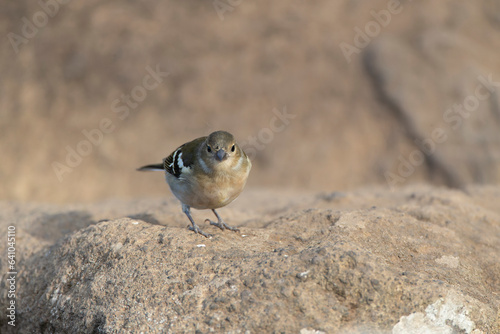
409	87
421	258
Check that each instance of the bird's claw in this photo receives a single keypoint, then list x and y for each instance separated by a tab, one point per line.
196	229
220	224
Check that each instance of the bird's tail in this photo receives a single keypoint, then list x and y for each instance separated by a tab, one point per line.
147	168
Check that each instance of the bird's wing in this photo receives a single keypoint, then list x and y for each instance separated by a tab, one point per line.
182	158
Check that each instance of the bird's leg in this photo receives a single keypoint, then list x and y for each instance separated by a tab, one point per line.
220	223
187	210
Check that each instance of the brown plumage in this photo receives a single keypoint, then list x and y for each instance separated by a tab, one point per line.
206	173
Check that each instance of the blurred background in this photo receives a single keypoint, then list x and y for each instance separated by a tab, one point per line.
325	95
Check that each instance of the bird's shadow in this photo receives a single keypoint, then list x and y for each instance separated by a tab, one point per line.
148	218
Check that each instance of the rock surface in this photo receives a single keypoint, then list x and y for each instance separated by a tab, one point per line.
369	261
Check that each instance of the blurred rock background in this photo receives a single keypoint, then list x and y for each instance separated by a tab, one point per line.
371	85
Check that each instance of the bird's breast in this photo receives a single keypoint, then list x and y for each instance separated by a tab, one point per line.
205	191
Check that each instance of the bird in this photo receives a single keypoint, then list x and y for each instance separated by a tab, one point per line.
206	173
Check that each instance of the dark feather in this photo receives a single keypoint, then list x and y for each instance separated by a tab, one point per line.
188	151
156	167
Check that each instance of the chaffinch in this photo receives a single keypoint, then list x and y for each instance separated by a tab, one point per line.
206	173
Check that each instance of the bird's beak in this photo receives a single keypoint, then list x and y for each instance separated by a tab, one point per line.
221	155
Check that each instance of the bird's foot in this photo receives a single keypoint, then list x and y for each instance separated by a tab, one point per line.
198	230
223	226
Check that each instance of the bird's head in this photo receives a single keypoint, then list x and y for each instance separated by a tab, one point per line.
221	150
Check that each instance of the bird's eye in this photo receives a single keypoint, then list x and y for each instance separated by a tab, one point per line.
209	149
233	148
